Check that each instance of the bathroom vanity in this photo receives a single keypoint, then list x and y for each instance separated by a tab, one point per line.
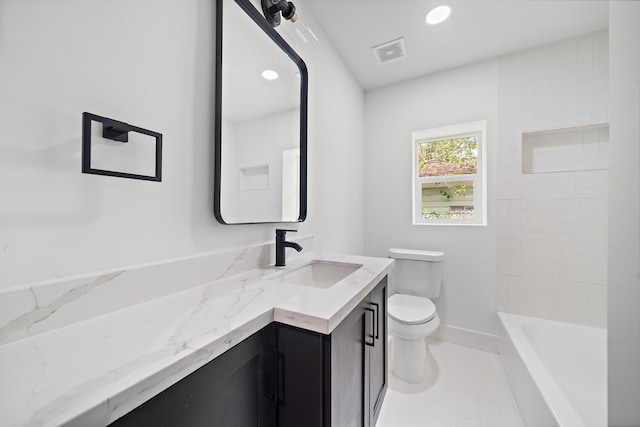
217	339
285	376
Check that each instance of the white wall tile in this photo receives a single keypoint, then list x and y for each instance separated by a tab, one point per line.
547	96
555	264
502	292
539	189
569	94
585	53
507	292
591	94
509	180
515	71
548	298
598	306
508	216
548	218
591	261
550	60
598	77
527	185
592	184
590	304
513	294
550	122
596	116
502	213
508	256
580	298
601	49
514	145
561	185
591	221
513	218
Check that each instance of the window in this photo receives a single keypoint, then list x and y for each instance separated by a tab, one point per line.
449	175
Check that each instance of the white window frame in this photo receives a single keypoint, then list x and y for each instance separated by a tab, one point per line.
477	128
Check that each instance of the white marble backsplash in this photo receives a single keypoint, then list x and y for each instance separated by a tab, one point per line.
37	308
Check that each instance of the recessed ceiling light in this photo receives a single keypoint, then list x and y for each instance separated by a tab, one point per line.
269	74
438	14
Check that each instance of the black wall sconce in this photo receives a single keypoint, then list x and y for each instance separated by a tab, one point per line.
273	8
140	158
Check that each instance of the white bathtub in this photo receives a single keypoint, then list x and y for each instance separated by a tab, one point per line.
557	371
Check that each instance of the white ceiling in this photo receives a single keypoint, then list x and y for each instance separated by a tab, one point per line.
476	30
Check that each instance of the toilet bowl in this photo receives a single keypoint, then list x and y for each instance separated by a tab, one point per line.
411	320
412	315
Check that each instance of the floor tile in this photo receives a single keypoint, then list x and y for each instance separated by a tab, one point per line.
495	415
465	388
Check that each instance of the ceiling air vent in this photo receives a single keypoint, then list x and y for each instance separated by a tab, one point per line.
390	51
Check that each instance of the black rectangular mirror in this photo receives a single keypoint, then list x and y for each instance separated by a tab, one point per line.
261	121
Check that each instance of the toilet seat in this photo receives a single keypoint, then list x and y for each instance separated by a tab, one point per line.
411	310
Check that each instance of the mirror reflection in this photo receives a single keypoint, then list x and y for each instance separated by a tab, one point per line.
261	128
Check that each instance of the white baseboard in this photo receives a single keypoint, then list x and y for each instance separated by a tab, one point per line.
467	338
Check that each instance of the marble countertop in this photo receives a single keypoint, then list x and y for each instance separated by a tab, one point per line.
91	372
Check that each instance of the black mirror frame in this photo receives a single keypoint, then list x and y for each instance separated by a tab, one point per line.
255	15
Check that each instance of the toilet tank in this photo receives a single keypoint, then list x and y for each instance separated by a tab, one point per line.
416	272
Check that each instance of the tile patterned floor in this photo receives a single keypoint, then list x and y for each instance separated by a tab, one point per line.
466	388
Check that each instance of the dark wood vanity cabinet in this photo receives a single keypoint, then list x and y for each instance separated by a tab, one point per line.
339	379
285	376
378	355
235	389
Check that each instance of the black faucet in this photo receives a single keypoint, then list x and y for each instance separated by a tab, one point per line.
281	244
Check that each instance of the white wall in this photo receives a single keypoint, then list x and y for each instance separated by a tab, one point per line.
148	63
391	114
552	224
624	215
336	147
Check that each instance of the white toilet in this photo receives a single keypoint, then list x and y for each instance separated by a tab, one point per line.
416	277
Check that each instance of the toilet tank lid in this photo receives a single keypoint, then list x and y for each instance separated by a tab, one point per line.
416	254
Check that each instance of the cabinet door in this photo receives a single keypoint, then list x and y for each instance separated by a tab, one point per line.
231	390
349	381
378	352
300	383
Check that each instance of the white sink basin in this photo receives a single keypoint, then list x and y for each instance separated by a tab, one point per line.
319	274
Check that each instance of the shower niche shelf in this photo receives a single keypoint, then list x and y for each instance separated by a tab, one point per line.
573	149
253	178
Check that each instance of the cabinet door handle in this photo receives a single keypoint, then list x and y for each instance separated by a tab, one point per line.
270	372
377	323
367	335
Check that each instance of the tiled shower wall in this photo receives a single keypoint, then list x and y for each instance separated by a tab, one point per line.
552	221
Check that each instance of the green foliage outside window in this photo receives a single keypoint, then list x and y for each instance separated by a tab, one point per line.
453	190
446	157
